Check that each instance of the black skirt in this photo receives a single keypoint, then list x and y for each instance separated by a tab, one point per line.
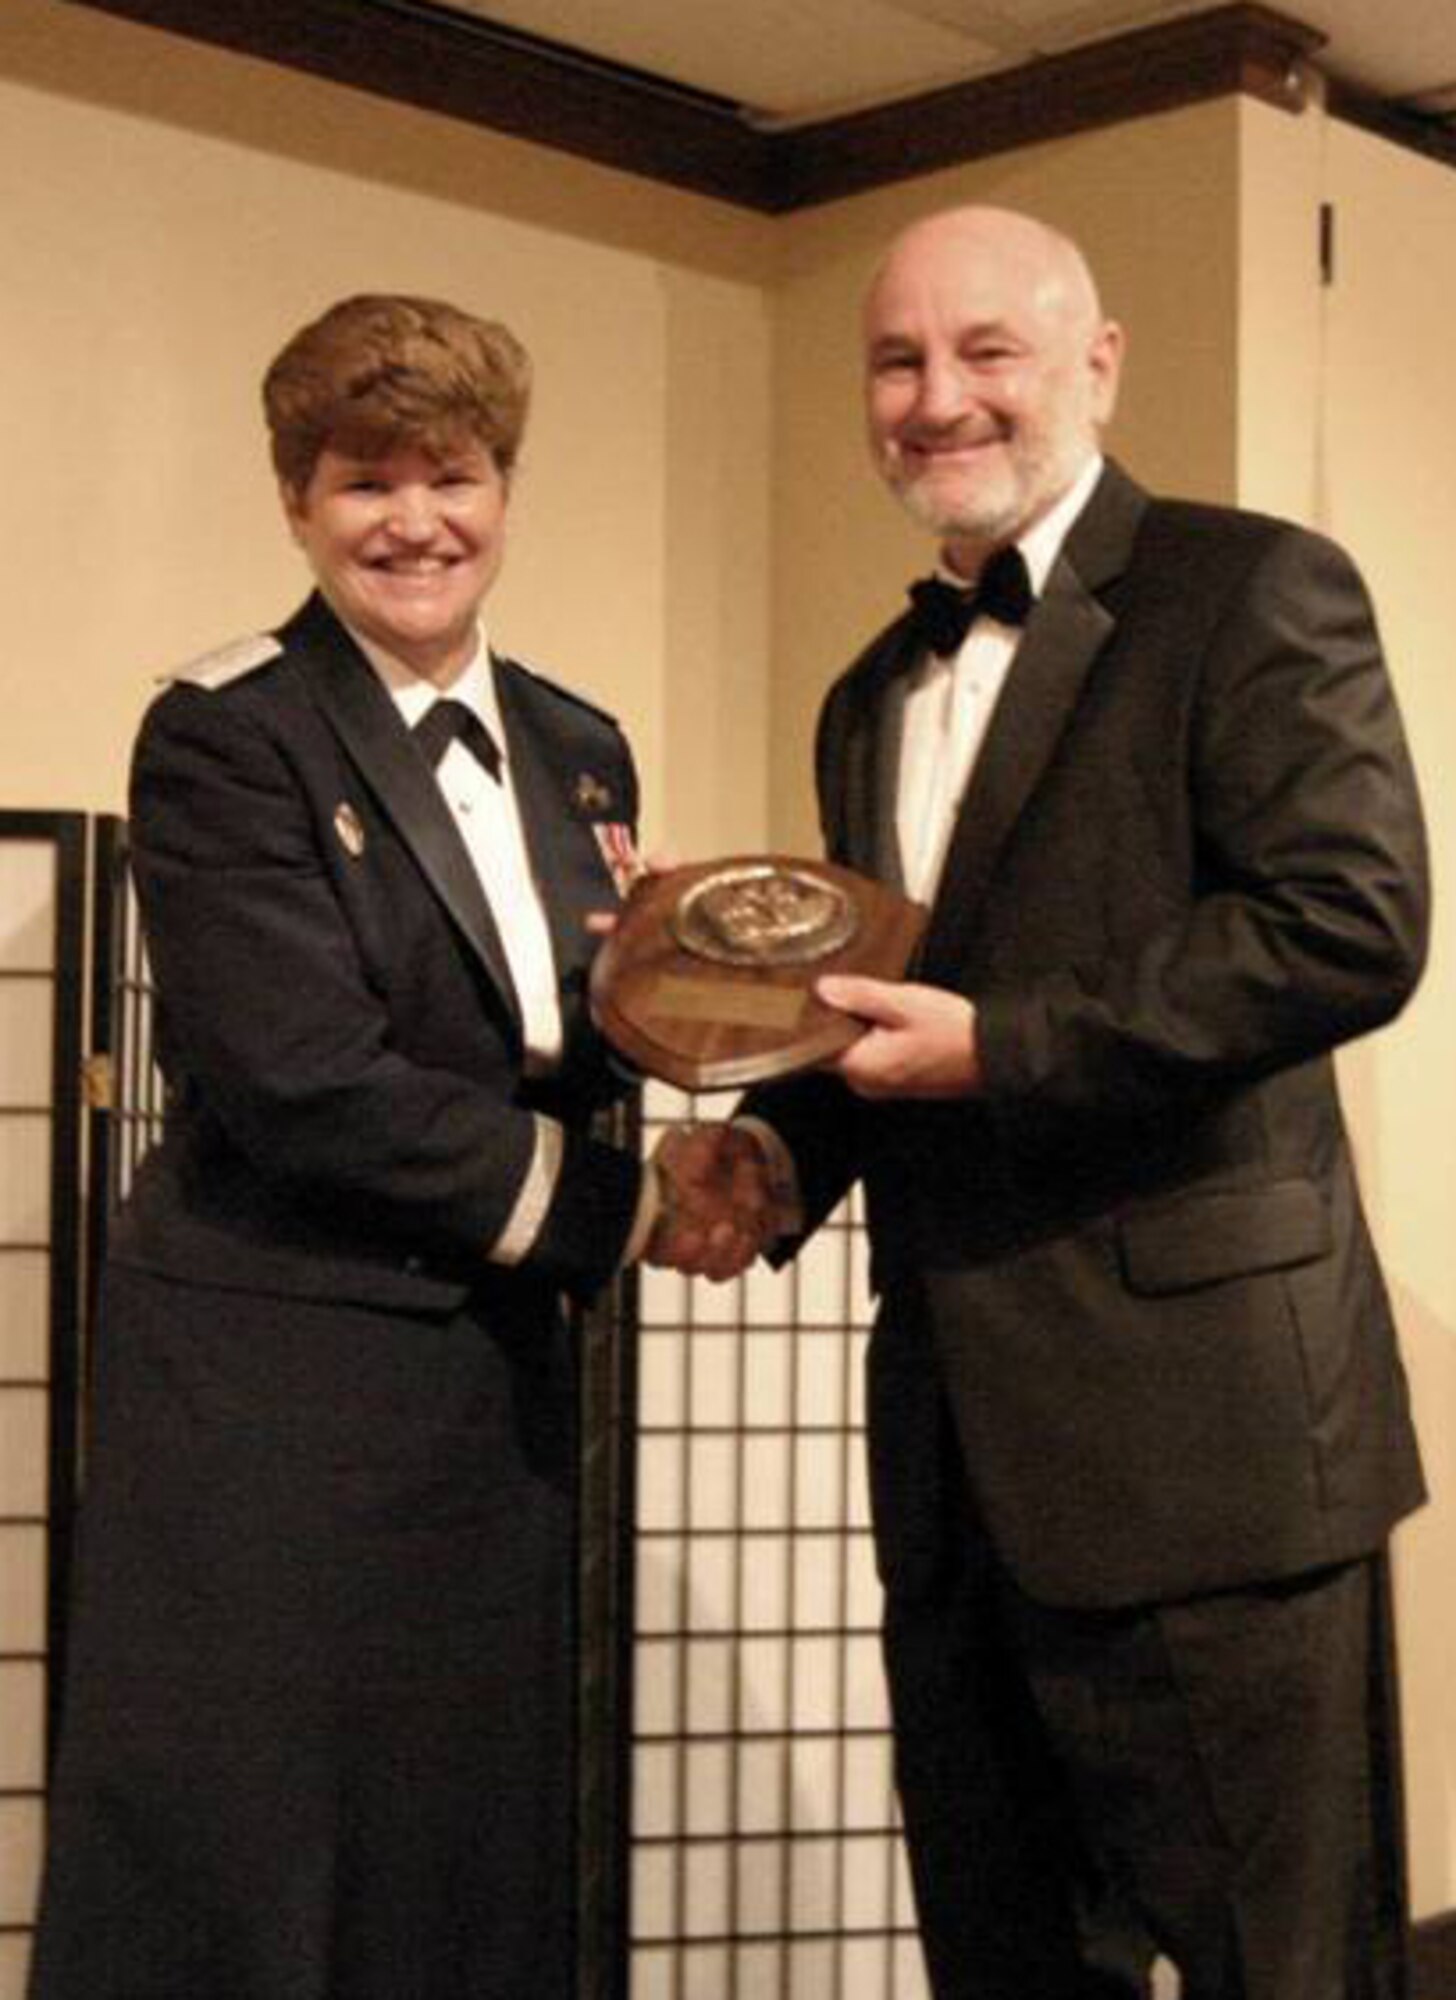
318	1723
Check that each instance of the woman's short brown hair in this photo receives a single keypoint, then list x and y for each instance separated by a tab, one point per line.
381	371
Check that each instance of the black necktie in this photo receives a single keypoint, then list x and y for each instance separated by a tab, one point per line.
942	615
439	726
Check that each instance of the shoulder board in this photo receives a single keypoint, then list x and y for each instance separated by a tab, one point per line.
563	693
228	663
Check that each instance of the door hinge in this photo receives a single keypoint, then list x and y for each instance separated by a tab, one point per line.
98	1083
1327	242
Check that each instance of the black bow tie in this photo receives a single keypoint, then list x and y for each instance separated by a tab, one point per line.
942	615
439	726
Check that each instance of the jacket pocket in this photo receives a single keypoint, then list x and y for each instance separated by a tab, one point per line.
1203	1238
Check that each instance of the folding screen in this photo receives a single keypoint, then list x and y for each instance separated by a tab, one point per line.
42	917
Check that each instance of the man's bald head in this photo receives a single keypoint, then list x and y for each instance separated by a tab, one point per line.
1047	265
991	371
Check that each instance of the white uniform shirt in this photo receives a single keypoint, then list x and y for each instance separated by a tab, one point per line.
488	816
485	810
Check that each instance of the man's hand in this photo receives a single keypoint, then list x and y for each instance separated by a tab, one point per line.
921	1040
717	1210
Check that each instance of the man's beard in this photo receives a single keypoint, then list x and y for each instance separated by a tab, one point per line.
985	518
984	508
1002	502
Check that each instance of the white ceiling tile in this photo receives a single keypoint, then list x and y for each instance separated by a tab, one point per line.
785	58
796	59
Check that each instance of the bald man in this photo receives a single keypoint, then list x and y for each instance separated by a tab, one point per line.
1138	1427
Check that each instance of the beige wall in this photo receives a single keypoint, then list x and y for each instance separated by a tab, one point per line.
1346	407
1278	340
1385	450
183	212
698	540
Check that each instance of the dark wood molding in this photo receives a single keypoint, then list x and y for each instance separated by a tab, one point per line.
439	59
1435	137
1433	1958
1231	49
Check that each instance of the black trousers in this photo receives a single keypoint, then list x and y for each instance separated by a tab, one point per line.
1214	1781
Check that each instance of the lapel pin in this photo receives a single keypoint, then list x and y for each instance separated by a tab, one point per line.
349	829
591	795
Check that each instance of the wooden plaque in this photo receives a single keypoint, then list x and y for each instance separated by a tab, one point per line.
707	981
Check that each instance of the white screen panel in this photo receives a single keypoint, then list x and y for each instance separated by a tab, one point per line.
766	1858
25	1305
26	1042
22	1587
22	1703
25	1180
14	1966
27	906
22	1829
24	1439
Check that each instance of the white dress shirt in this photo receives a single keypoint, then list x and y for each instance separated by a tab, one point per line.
952	698
485	810
948	709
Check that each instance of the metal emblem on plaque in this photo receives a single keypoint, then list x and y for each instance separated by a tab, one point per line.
764	913
708	979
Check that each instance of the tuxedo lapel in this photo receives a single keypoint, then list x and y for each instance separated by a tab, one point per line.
370	727
862	761
1067	630
1059	645
888	861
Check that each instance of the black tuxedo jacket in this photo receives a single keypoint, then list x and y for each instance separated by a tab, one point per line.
1189	863
350	1117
